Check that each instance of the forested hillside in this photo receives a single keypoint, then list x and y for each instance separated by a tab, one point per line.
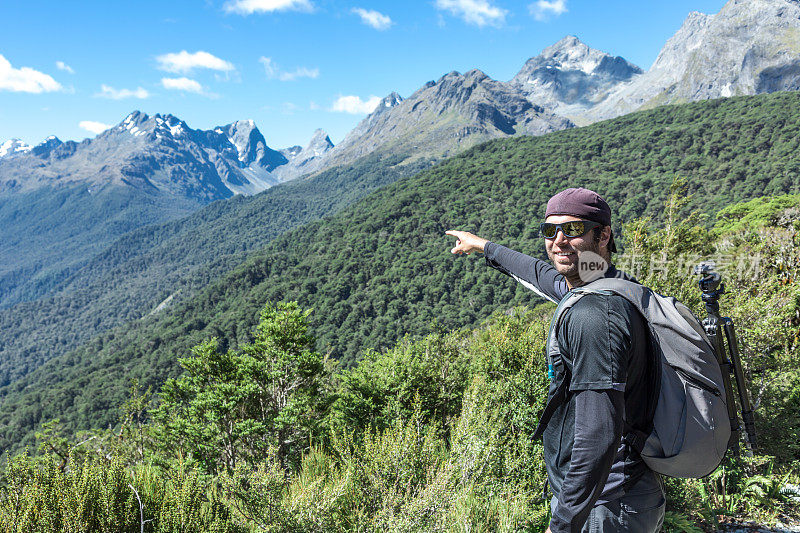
381	269
433	434
171	261
40	250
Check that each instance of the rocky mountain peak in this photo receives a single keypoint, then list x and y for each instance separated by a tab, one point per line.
138	124
455	89
291	152
389	102
169	125
689	37
749	47
445	116
52	140
154	152
242	127
569	77
251	147
308	159
571	54
475	76
47	146
455	78
135	118
320	142
566	43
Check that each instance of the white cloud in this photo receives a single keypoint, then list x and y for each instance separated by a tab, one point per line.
248	7
120	94
94	127
183	62
60	65
182	84
273	71
25	79
478	12
233	76
379	21
355	105
269	67
300	72
543	9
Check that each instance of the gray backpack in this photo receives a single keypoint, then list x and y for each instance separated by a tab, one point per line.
691	429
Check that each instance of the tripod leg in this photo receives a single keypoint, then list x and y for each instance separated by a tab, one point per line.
714	332
741	385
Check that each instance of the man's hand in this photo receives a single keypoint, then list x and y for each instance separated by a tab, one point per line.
467	242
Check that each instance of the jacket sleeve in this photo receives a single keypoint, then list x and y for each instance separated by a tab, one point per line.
598	433
535	274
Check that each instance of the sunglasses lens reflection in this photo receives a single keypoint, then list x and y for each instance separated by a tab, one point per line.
575	228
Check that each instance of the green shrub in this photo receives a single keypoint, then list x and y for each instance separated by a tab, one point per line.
233	407
92	494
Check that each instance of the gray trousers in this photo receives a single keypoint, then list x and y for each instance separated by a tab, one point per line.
640	510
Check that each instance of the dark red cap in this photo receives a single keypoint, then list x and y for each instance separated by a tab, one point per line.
582	203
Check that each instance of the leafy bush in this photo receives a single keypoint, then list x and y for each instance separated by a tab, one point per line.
233	407
97	495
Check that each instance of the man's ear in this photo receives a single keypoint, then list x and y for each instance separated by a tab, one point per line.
605	236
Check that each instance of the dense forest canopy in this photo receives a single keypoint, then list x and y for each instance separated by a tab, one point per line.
170	262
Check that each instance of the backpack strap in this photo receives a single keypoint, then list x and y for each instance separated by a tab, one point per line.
555	360
557	399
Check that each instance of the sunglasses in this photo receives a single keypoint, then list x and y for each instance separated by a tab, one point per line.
574	228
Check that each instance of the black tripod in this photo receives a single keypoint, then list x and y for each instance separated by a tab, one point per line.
729	359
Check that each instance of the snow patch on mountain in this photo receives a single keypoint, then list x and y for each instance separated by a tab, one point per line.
569	77
12	147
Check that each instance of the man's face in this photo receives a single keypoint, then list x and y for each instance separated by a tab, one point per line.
563	251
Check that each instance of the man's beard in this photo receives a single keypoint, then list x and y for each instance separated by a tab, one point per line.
587	266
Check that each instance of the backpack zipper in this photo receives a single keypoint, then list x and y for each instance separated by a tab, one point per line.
697	383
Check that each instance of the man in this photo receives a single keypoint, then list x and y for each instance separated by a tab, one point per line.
599	482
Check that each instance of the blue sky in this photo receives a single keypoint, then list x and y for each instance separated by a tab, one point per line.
68	68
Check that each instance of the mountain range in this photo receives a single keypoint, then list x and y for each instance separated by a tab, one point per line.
160	154
153	268
105	220
61	202
749	47
570	78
